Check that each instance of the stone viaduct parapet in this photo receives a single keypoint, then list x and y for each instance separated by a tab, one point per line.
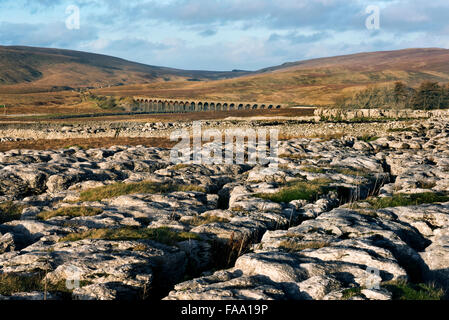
164	105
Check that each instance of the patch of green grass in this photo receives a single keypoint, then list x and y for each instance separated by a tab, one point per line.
298	190
313	169
404	200
70	212
401	290
368	138
351	292
292	246
162	235
145	187
401	129
12	283
352	172
190	187
9	211
107	103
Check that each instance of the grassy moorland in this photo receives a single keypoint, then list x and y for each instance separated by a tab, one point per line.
312	82
48	81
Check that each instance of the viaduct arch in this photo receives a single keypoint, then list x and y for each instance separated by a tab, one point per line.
160	105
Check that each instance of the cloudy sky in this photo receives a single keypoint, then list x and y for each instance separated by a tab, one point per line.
224	34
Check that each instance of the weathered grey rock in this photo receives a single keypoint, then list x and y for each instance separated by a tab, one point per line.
296	250
6	243
436	257
130	267
317	287
225	285
279	267
29	231
30	296
98	291
12	185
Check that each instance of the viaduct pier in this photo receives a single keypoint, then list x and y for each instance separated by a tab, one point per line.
164	105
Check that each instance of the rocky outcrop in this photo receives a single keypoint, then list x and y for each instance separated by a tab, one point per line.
351	114
311	229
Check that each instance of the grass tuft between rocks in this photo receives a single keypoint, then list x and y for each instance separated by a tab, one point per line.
298	190
9	211
314	170
351	292
162	235
208	219
368	138
402	290
407	129
70	212
13	283
403	200
353	172
292	246
145	187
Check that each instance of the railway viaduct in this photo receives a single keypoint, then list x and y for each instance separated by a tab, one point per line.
164	105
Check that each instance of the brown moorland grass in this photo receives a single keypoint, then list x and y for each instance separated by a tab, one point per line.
107	142
313	82
51	115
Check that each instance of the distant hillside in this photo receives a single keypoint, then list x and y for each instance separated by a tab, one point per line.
419	60
317	81
311	82
25	67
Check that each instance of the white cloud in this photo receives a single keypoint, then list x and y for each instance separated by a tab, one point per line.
225	34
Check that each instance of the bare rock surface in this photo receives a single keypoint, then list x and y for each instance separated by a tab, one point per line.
335	216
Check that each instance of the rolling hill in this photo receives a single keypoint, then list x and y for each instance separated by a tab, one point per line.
311	82
58	69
